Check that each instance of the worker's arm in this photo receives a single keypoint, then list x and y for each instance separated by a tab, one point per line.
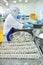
10	33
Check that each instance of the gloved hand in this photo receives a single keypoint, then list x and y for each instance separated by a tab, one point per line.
26	25
39	21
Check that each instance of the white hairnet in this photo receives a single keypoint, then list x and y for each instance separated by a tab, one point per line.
14	11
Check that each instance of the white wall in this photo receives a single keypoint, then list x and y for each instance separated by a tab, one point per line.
1	10
26	8
39	9
32	7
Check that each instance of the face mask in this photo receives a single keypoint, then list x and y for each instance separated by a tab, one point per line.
0	19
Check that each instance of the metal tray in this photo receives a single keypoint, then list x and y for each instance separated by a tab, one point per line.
20	35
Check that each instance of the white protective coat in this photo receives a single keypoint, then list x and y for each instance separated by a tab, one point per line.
11	21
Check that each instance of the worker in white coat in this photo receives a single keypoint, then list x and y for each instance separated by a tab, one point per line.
11	22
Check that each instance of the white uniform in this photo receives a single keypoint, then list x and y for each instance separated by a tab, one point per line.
11	22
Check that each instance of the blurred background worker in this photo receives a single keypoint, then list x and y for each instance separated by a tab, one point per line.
1	30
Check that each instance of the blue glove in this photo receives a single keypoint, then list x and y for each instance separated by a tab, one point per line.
39	21
26	25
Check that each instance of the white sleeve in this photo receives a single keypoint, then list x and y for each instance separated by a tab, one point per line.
14	23
11	22
17	25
